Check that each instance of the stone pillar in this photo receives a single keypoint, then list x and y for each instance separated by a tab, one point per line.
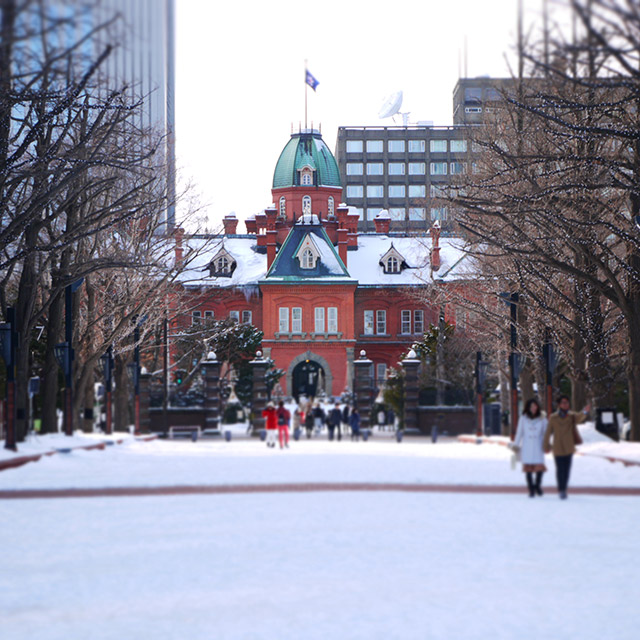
145	401
411	365
363	388
211	375
259	397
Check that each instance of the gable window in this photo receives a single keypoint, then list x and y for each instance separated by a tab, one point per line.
296	320
283	319
332	319
306	178
405	321
319	319
307	261
222	265
381	321
283	207
393	265
368	323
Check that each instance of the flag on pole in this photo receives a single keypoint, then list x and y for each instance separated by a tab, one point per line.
310	80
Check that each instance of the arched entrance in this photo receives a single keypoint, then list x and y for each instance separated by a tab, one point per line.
324	373
307	378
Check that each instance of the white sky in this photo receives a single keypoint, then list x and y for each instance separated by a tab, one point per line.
240	78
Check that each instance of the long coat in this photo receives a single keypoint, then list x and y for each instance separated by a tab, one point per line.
529	437
560	431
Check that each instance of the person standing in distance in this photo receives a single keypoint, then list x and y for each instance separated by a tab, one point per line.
529	439
561	437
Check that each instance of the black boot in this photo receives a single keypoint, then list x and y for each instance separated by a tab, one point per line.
538	485
530	484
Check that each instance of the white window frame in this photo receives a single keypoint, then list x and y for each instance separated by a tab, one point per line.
393	265
401	191
454	166
354	168
417	168
331	206
438	168
355	191
375	168
283	319
396	143
196	317
318	315
375	191
420	144
235	316
405	321
209	315
438	146
332	319
307	259
418	321
306	205
417	191
369	323
381	372
375	146
283	206
296	320
354	146
397	168
381	322
458	146
306	179
247	316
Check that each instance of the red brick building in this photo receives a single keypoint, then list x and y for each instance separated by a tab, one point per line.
320	291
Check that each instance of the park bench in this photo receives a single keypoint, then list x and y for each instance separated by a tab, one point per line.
193	430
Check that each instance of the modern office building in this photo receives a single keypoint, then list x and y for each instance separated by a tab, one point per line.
476	99
403	170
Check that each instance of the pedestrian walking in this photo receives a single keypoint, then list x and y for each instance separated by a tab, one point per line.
334	420
532	427
561	437
318	417
354	423
284	419
308	421
271	424
345	418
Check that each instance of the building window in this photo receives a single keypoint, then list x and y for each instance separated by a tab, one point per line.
437	191
319	318
234	316
306	180
397	213
368	323
458	146
208	315
354	168
222	266
375	191
247	317
332	319
374	146
393	265
473	109
296	320
307	260
331	206
283	207
373	212
416	146
438	213
438	146
306	205
354	146
417	168
283	324
405	321
456	168
375	168
396	168
396	146
396	191
196	316
417	213
381	372
438	168
418	322
417	190
355	191
381	321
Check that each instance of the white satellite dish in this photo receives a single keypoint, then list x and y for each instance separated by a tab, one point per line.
391	105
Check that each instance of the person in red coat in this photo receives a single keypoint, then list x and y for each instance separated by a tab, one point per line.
284	418
271	424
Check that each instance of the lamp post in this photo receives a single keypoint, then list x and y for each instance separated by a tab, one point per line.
482	367
550	363
515	358
8	343
135	371
107	363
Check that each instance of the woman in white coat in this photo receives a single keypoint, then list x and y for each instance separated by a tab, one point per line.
529	440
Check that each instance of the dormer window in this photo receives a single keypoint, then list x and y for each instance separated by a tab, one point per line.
308	253
306	176
392	261
283	207
222	265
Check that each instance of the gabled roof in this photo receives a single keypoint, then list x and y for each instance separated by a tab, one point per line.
392	251
286	267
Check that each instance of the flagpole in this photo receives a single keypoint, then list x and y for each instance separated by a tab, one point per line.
305	94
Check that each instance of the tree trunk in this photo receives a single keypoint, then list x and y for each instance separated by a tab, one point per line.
121	415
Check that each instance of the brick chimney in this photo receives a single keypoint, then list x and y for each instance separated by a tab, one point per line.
382	222
343	244
179	235
252	225
434	232
230	223
272	235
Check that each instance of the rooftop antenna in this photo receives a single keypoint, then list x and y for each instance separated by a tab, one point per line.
466	58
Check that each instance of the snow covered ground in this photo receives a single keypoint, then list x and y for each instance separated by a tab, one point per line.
315	565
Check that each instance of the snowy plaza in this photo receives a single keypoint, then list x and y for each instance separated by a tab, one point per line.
319	564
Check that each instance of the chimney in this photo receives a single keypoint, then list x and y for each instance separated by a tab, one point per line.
343	244
382	222
179	235
434	232
230	223
252	225
271	246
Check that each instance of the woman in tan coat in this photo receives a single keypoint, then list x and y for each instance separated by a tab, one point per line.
562	437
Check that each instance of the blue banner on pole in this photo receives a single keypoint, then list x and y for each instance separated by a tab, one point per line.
310	80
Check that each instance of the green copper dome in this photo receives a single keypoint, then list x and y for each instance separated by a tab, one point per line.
306	149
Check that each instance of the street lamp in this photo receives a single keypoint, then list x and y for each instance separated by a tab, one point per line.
64	357
482	366
515	359
107	363
550	362
8	343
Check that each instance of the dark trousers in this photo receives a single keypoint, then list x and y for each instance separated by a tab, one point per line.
563	469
